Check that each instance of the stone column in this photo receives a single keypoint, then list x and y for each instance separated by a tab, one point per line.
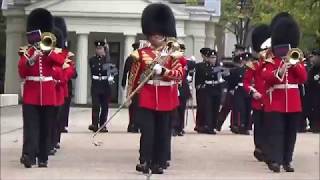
128	41
12	80
82	69
210	35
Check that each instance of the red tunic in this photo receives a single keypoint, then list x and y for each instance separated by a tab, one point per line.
158	97
68	73
59	82
253	82
281	99
37	92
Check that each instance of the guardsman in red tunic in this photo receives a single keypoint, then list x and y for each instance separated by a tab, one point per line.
159	96
67	72
283	105
255	86
39	94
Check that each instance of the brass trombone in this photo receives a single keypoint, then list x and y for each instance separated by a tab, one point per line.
48	41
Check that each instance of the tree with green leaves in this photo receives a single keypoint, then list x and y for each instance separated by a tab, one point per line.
305	12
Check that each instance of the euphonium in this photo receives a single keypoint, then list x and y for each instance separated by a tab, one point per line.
48	41
294	56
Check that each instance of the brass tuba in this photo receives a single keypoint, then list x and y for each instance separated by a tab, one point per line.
294	56
48	41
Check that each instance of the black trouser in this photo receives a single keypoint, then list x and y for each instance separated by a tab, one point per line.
226	108
65	111
154	135
281	136
200	97
241	109
211	108
133	112
54	128
259	132
179	119
99	108
35	130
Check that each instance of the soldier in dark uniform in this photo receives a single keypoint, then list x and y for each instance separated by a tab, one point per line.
228	88
184	95
313	89
241	109
209	78
132	127
100	87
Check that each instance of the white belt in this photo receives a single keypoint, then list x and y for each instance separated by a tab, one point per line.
281	86
240	84
285	86
39	78
99	77
211	82
160	83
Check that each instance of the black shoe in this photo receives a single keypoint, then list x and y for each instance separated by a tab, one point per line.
235	130
288	167
210	131
258	155
180	133
143	167
174	133
26	161
57	146
104	130
219	125
132	129
156	169
244	132
275	167
64	130
93	128
52	152
165	165
43	164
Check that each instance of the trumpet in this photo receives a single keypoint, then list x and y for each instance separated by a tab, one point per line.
48	41
294	56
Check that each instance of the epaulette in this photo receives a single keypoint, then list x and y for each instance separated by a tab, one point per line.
135	55
57	50
23	50
70	54
269	60
250	65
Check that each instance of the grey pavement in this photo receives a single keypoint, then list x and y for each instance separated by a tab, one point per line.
195	156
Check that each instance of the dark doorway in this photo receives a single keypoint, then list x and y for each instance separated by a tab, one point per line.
114	48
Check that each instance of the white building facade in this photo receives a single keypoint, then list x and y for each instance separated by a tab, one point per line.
116	20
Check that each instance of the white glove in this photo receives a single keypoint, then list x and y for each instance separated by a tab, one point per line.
192	58
316	77
157	69
110	78
189	78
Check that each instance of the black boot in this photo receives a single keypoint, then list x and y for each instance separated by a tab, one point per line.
258	155
26	161
275	167
104	130
93	128
288	167
43	164
156	169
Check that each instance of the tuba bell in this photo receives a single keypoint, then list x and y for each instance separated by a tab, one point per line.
48	41
294	56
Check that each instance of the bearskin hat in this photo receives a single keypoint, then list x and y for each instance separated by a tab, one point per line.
259	35
285	31
59	35
61	24
279	16
40	19
158	19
